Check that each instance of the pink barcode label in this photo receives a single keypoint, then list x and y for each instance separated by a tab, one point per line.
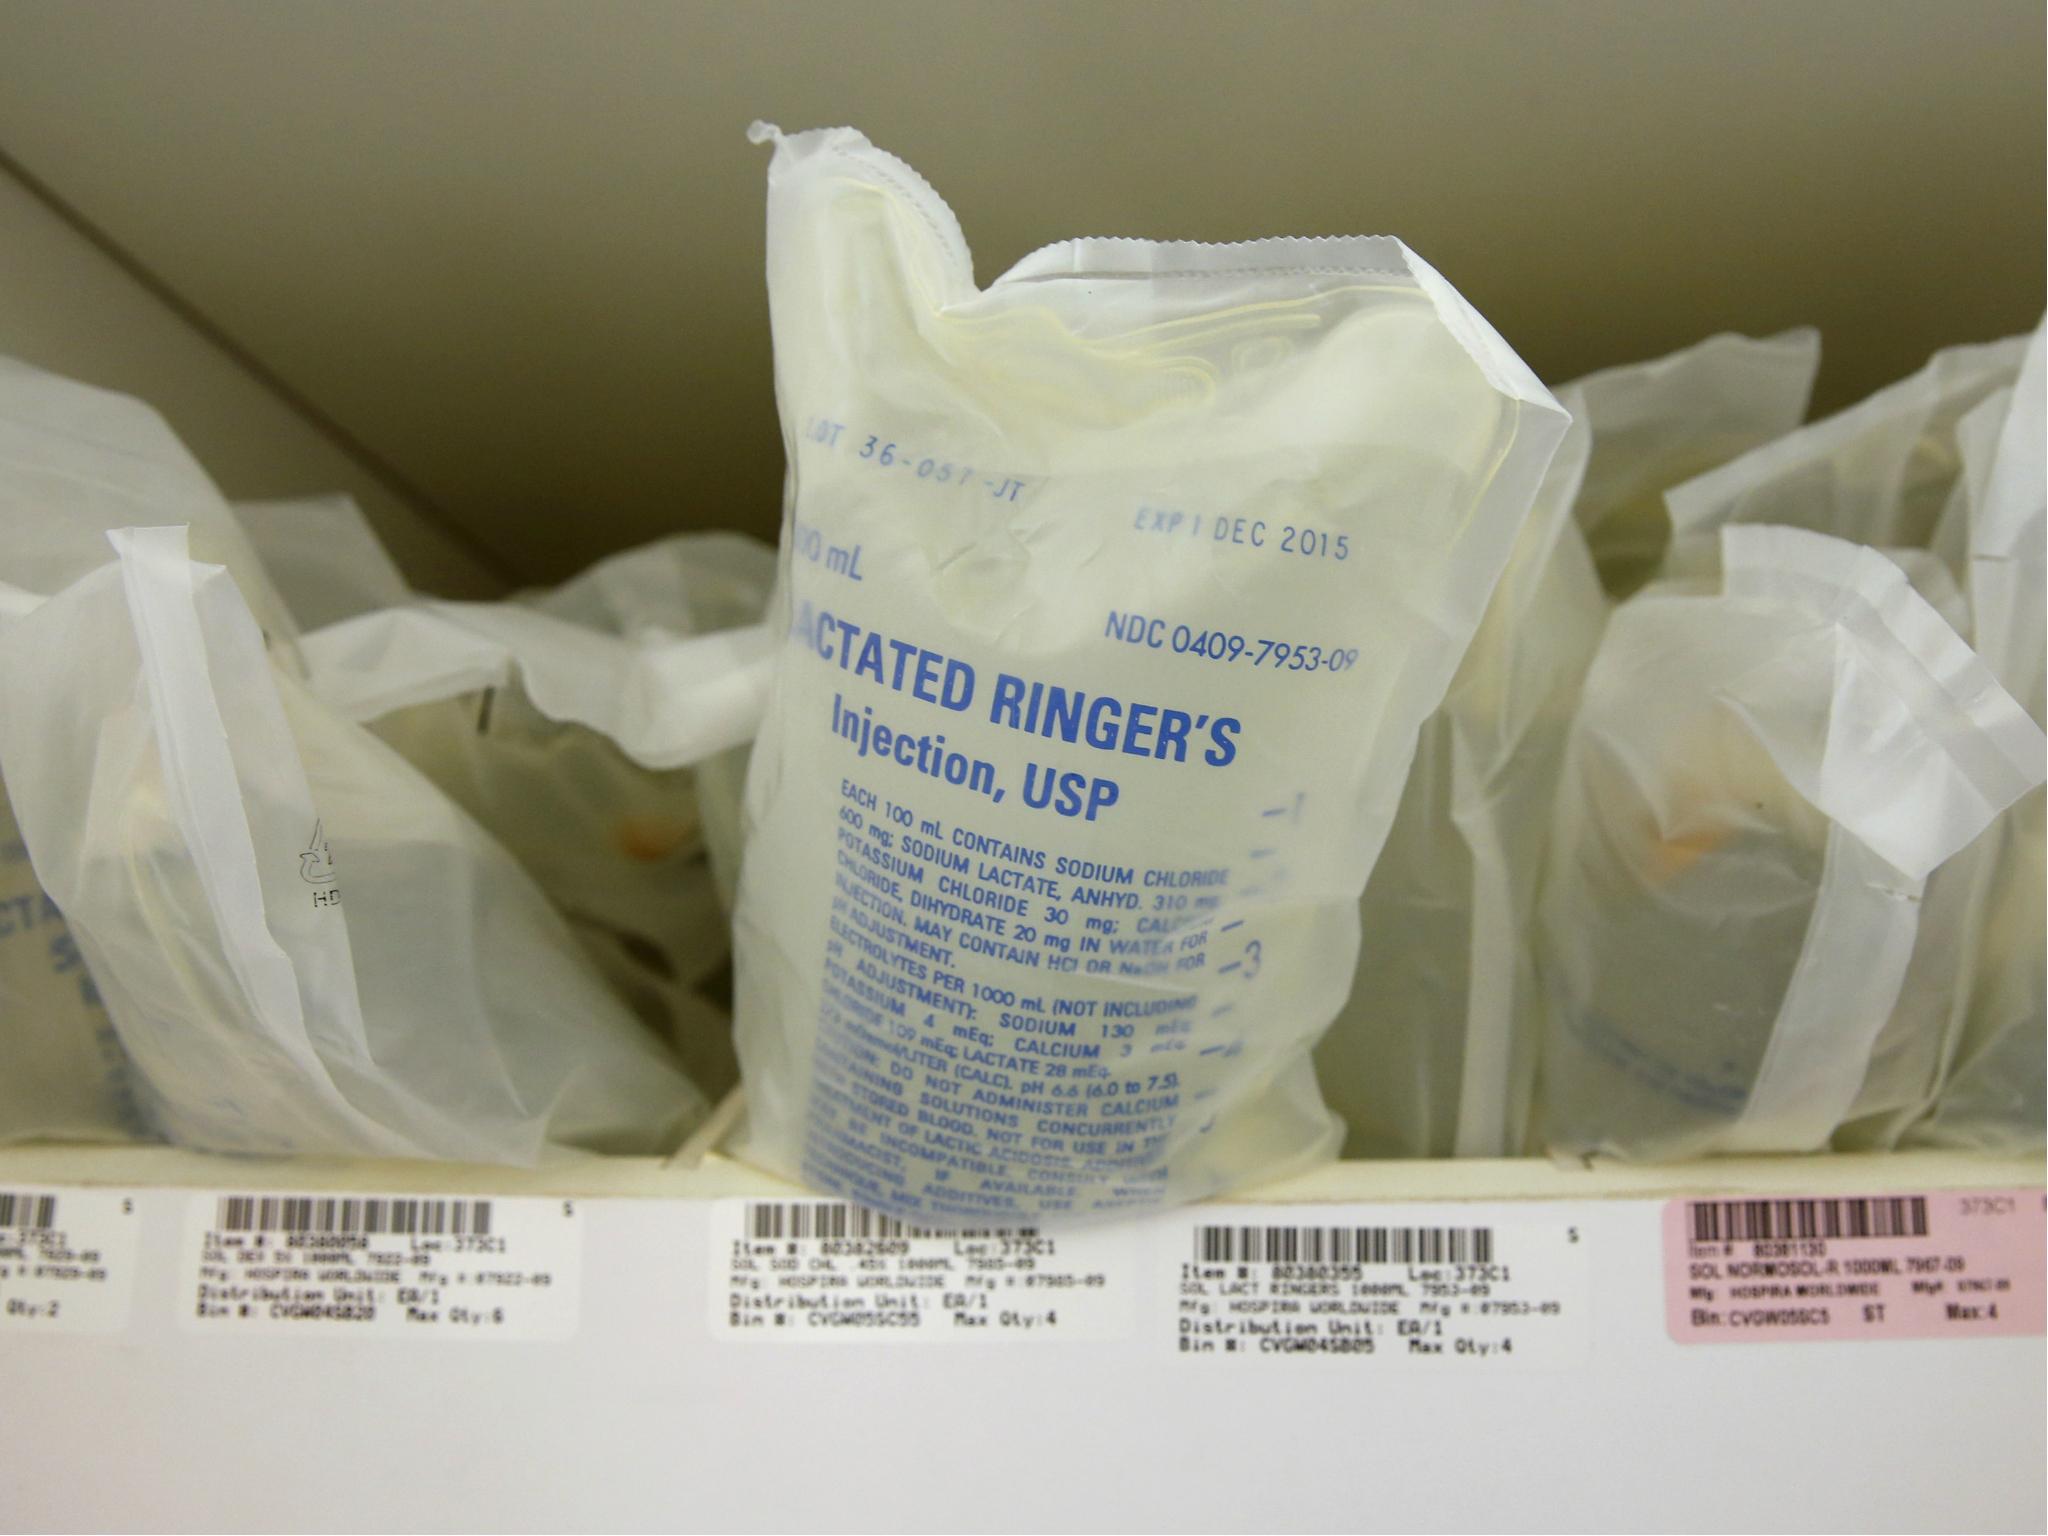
1958	1264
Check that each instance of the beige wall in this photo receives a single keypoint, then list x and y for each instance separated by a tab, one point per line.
67	306
515	248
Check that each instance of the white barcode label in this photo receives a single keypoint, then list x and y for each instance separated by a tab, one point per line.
1388	1287
29	1212
67	1260
293	1214
835	1219
1344	1245
812	1271
383	1265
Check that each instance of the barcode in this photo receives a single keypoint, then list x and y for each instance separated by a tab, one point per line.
831	1218
324	1214
32	1213
1765	1221
1344	1245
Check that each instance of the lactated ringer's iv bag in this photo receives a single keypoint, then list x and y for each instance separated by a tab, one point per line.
1112	597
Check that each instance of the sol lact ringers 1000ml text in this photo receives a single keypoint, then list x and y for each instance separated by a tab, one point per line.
1112	596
